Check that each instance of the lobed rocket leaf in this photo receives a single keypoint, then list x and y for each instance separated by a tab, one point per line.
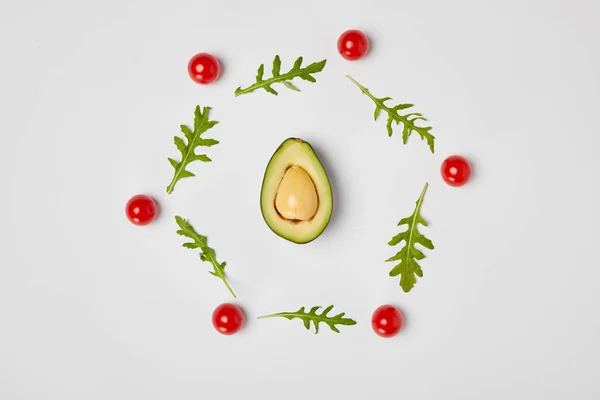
277	77
206	253
409	255
312	316
188	150
408	120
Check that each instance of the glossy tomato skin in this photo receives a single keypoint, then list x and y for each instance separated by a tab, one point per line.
353	45
228	319
387	321
141	210
456	170
204	68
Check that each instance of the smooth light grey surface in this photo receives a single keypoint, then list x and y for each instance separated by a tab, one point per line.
92	307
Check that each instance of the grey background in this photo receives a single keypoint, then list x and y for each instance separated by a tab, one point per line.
92	307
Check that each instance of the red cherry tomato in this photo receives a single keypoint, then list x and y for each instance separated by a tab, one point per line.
386	321
141	209
204	68
456	171
353	45
228	318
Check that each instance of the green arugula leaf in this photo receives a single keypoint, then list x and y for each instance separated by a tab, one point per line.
409	254
206	253
296	72
408	120
194	140
312	315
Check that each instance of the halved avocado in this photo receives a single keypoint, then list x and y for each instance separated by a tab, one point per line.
296	199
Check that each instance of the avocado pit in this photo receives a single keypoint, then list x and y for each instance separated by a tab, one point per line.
296	199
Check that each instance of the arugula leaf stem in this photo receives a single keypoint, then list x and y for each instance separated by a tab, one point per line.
181	167
272	315
377	101
314	317
219	273
413	226
268	82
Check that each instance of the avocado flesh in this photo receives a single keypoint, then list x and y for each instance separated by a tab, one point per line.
298	154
